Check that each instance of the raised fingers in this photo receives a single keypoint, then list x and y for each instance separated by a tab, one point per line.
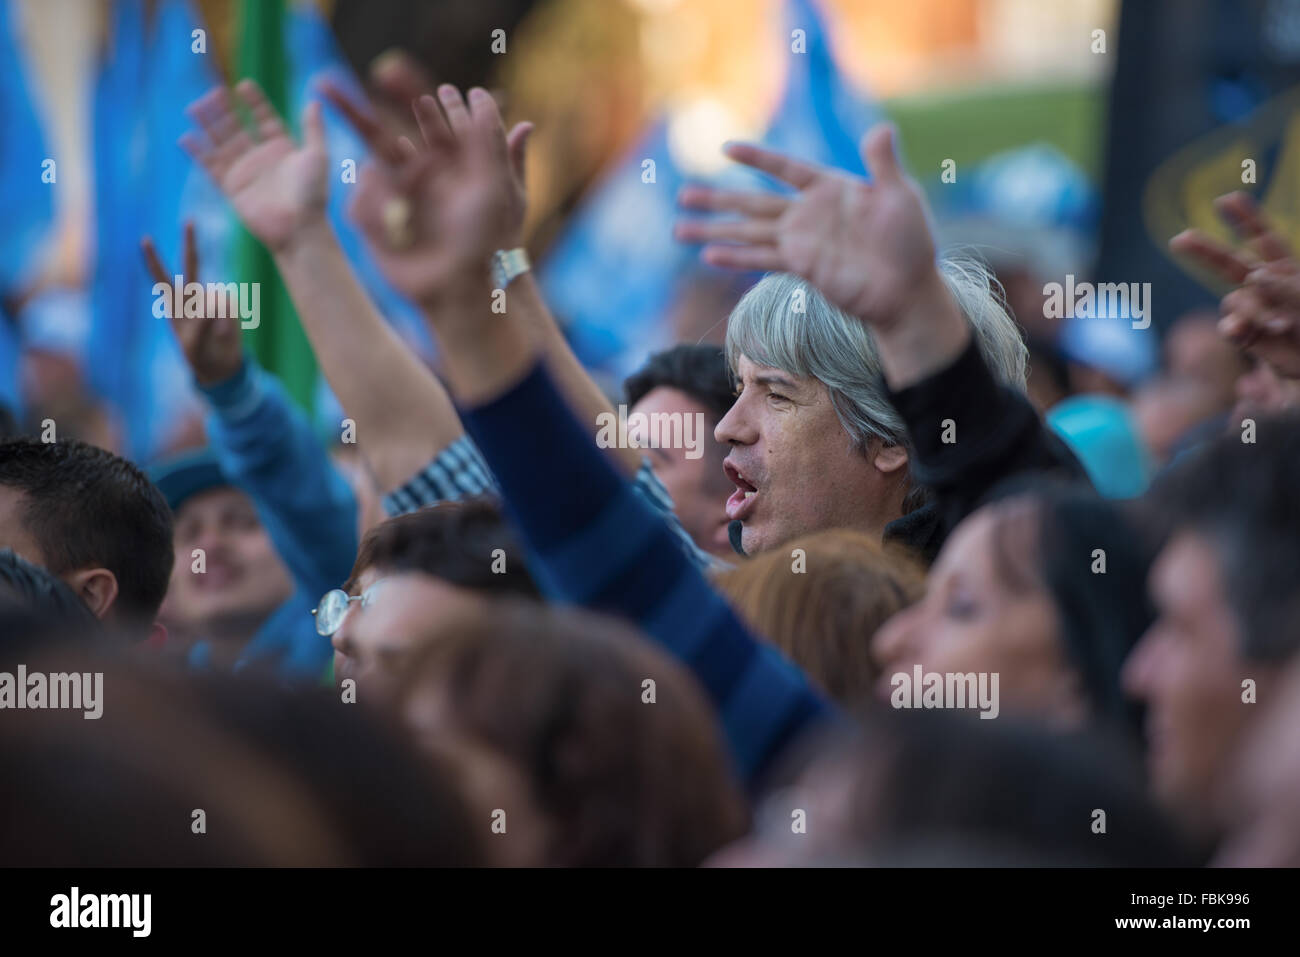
879	155
707	199
486	119
1223	260
516	145
190	256
757	258
458	117
433	124
153	262
265	120
1243	214
750	231
383	144
785	168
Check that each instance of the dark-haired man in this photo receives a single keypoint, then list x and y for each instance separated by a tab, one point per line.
690	380
93	520
264	522
1228	606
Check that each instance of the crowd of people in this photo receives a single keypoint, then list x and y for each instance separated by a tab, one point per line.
476	635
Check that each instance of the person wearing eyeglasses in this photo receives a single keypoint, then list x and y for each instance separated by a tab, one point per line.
416	577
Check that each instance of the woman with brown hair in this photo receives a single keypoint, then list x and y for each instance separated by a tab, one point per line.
821	602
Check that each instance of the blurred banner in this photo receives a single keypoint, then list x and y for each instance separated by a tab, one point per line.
25	200
145	186
616	271
1198	108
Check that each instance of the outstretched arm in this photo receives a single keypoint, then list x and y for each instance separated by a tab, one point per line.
468	227
593	539
265	445
865	245
279	190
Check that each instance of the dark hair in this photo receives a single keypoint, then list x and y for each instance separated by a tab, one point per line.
284	779
1007	788
1242	497
559	693
453	541
1101	614
87	507
698	370
1045	358
35	607
8	424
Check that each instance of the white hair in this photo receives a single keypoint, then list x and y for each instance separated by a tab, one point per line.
784	323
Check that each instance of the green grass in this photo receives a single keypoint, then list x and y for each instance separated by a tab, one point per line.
969	127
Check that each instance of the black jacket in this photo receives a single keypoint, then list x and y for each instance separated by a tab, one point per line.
998	435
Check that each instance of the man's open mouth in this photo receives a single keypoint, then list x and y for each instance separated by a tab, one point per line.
743	500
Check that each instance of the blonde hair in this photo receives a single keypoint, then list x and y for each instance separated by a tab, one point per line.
823	617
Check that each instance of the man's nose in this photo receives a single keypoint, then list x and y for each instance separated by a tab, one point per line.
736	427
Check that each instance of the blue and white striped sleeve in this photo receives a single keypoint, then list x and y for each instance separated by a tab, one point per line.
457	472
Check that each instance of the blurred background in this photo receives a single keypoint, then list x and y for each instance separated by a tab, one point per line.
1053	137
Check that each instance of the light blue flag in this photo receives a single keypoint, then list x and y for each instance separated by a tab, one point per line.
616	271
26	200
314	55
146	185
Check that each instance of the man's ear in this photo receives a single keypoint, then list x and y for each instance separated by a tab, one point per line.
96	587
889	458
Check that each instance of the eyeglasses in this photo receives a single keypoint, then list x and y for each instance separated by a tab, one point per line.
334	605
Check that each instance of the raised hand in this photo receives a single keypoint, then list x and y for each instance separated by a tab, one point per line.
276	186
1262	315
211	342
865	245
434	216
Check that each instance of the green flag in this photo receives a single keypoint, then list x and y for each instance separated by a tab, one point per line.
278	342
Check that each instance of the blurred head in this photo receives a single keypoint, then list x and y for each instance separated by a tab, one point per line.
417	575
814	442
1261	391
94	520
1263	797
39	609
820	602
238	580
1228	610
1048	376
1043	589
1167	408
282	780
1103	434
583	743
930	789
1194	351
690	380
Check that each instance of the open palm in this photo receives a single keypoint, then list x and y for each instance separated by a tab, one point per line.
276	186
455	202
864	245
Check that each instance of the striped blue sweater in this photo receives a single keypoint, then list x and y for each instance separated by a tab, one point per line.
594	542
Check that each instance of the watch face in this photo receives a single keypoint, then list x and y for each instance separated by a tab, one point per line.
508	264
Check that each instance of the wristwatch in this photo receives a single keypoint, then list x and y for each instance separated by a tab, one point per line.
508	264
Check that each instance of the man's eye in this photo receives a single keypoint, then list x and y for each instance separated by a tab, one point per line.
778	396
